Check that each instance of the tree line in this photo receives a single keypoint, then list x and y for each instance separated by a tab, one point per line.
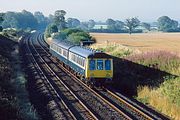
37	21
24	20
68	30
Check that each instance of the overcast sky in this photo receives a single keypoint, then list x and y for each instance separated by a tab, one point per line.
145	10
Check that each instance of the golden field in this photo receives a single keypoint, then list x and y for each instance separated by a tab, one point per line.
142	41
146	49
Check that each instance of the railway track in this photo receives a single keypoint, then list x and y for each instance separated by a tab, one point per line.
59	107
116	103
77	108
99	106
123	102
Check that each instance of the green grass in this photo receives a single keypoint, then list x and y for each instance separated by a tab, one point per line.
14	98
153	75
114	50
166	97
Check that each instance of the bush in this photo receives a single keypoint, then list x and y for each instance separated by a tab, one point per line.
74	38
171	89
1	28
70	31
59	35
73	35
165	97
51	28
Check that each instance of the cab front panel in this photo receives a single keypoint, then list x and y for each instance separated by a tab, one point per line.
99	68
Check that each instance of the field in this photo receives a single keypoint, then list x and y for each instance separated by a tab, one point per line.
147	66
142	42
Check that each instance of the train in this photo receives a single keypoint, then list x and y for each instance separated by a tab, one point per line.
91	66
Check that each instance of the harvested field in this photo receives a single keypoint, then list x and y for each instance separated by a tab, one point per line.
142	41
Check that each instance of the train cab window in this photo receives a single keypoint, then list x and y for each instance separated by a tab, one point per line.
91	64
107	65
99	64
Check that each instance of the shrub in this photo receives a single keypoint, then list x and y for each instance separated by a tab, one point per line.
73	35
51	28
1	28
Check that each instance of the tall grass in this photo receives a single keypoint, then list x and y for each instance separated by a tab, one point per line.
113	49
165	98
158	100
18	81
14	99
162	60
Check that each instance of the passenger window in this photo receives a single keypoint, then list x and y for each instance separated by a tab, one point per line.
64	53
107	64
60	51
91	64
100	64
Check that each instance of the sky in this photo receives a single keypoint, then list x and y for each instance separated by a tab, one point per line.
99	10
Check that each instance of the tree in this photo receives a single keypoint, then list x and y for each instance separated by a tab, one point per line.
114	25
51	28
84	25
131	24
41	19
19	20
119	25
147	26
27	20
51	18
1	20
59	19
1	28
111	24
73	22
91	24
166	24
2	17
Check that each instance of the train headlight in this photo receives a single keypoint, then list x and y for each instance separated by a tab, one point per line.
107	75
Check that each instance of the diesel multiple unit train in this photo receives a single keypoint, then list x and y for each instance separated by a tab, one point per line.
94	67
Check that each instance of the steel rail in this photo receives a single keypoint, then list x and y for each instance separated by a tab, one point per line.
45	78
92	116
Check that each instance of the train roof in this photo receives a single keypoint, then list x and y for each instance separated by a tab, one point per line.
80	50
65	45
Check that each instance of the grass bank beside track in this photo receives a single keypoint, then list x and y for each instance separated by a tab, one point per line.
151	69
14	98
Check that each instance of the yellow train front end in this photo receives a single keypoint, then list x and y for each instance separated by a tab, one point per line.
99	70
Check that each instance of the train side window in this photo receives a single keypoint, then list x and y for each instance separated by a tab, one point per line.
100	64
107	65
55	47
76	58
60	51
73	57
83	62
65	53
92	65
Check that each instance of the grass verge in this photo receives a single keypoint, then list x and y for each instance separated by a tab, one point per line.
14	99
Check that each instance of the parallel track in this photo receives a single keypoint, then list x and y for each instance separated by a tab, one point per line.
63	111
99	105
117	102
77	108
